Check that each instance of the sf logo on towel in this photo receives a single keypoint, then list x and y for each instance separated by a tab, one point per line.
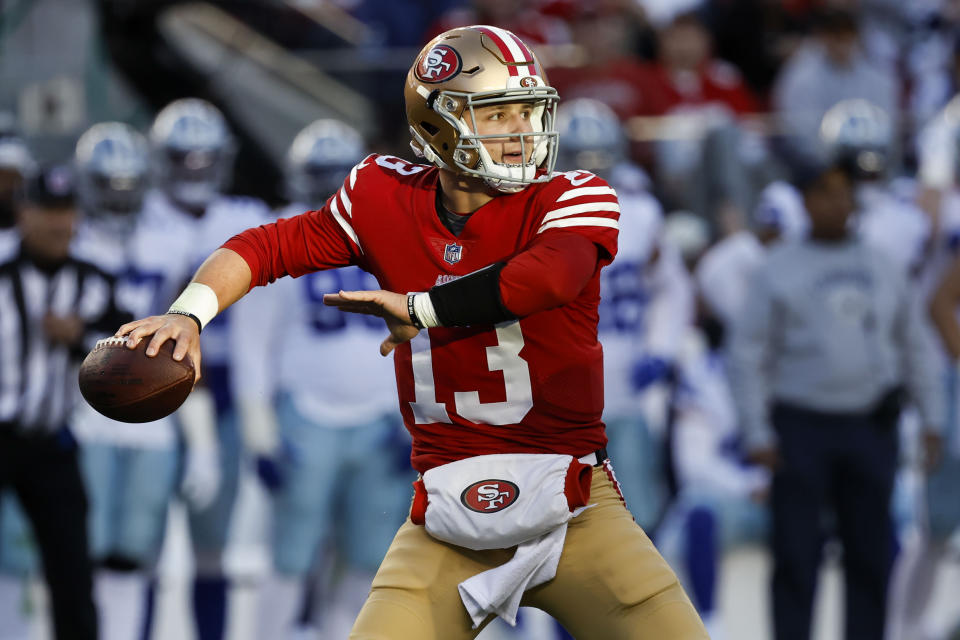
489	496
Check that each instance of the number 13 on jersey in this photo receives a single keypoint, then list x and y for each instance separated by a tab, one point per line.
504	356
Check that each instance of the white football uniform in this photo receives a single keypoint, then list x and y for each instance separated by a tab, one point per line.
644	308
895	225
646	302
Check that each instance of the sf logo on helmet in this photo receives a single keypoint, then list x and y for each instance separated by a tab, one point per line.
439	64
489	496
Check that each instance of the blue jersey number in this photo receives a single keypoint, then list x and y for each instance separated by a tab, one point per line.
623	299
326	319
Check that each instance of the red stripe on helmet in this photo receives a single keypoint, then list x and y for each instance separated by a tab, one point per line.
504	49
528	55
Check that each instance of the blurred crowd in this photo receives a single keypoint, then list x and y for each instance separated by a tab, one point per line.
779	326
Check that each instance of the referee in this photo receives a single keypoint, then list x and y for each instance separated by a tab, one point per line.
52	307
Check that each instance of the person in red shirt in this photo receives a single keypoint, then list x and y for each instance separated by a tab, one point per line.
530	24
687	75
607	68
489	263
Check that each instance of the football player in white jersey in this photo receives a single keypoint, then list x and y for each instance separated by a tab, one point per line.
193	152
334	458
928	543
131	471
646	305
860	137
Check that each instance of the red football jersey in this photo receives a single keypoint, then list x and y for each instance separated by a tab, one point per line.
534	385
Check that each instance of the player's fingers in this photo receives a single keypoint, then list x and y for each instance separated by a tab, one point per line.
161	336
183	345
368	308
387	346
132	326
361	296
347	298
135	336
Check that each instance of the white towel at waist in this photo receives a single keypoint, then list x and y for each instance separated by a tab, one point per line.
498	501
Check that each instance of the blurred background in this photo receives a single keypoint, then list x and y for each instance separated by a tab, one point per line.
702	113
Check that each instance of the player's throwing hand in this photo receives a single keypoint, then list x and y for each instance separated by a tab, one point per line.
392	307
181	329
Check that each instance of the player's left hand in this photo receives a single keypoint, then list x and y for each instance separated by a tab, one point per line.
390	306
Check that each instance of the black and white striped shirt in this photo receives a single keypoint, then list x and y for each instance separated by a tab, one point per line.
38	378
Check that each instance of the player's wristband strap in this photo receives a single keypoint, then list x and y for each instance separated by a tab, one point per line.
197	300
422	313
177	312
411	309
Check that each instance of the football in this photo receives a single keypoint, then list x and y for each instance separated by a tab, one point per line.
127	385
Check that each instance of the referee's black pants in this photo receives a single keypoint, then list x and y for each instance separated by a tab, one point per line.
44	472
844	461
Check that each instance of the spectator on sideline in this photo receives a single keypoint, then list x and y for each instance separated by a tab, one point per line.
829	340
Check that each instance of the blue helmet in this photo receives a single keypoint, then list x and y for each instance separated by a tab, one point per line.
319	159
112	160
193	151
591	136
858	135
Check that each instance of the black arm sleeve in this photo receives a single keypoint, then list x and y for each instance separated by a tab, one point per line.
472	299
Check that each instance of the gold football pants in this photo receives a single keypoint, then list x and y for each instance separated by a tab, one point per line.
611	583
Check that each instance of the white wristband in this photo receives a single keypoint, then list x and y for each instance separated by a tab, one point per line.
198	300
423	306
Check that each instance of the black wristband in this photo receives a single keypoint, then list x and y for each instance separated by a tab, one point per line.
414	318
177	312
472	299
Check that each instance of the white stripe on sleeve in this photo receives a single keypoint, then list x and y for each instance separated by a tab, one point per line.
343	223
574	209
586	191
580	222
347	205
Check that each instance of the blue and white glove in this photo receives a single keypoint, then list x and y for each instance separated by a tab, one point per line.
649	370
261	438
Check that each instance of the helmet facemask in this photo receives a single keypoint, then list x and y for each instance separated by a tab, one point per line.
470	157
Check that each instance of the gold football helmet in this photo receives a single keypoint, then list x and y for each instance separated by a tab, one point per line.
471	67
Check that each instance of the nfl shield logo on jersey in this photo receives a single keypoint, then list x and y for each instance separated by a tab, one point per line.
452	253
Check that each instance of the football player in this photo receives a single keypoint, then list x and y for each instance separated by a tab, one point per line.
929	541
646	305
496	357
193	155
332	454
131	469
859	135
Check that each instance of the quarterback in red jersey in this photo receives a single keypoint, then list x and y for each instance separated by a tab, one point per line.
489	265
